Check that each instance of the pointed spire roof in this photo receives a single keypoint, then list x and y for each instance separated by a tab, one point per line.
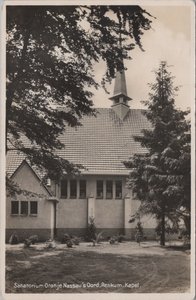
120	88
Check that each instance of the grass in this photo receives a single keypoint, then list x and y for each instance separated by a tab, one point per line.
48	271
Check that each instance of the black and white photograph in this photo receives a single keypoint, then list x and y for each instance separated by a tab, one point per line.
98	149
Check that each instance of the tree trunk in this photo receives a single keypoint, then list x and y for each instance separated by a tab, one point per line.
162	239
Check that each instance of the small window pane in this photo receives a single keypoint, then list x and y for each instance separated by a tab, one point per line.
100	189
63	188
33	207
73	188
82	189
109	187
14	207
24	208
118	189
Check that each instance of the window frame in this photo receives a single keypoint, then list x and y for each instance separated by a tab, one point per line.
18	208
30	208
75	194
80	190
26	207
62	185
118	181
101	196
106	187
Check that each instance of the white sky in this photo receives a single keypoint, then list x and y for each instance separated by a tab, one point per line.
170	40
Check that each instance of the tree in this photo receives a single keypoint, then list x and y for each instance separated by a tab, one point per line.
160	178
51	53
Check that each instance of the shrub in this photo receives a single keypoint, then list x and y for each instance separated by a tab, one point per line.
69	243
120	238
139	232
66	237
98	238
30	241
91	230
13	240
76	241
112	240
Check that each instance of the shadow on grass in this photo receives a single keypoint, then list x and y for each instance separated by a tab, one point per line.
182	248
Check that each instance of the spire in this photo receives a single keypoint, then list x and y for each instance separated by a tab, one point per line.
120	98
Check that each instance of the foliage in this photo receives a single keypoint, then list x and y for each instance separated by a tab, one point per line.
76	241
13	240
69	243
51	54
30	241
160	178
139	232
66	237
116	239
98	238
70	240
91	230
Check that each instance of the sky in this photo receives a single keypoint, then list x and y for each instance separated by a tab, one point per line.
171	40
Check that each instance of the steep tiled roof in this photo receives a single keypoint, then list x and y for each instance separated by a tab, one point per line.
13	161
102	143
105	141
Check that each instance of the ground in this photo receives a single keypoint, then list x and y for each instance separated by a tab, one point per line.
121	268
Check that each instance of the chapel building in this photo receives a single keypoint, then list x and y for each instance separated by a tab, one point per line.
101	145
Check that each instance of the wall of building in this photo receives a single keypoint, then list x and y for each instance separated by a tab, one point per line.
72	215
111	215
26	225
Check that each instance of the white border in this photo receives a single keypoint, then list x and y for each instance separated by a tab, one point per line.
114	296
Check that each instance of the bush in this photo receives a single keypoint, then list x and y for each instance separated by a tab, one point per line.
76	241
112	241
120	238
30	241
69	243
139	232
66	237
13	240
91	230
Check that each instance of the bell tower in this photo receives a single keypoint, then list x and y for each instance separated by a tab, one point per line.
120	99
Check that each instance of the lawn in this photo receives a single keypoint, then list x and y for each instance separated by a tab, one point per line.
123	268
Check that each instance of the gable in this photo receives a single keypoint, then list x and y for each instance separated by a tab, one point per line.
27	179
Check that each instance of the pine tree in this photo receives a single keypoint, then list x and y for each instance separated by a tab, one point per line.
160	178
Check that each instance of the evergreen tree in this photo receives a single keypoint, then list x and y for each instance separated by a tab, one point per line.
160	178
51	53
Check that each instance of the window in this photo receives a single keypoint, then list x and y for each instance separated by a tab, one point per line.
118	189
82	189
24	208
33	207
73	188
100	189
14	207
63	188
109	191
